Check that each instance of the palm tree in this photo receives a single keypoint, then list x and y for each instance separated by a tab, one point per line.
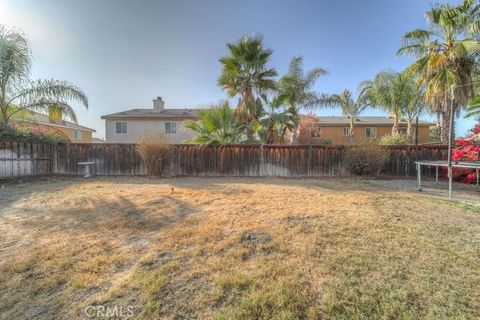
276	119
17	92
61	111
245	74
350	107
297	86
398	94
446	54
217	125
388	92
473	109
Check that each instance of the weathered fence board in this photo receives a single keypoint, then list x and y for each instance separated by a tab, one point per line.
18	159
24	159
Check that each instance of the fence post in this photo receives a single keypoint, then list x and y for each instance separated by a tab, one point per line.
262	160
309	161
54	156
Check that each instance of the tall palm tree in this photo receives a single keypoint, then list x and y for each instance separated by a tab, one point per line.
398	94
297	86
350	107
446	56
217	125
17	92
276	119
245	74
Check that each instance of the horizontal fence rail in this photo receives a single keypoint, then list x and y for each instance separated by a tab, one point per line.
26	159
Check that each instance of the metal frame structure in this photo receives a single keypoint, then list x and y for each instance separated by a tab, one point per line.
445	164
449	163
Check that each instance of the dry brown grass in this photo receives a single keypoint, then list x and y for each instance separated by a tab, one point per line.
235	249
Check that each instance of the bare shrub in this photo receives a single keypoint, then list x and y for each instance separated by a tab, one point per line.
366	158
156	153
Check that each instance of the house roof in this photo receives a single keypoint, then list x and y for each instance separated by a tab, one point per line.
152	114
40	118
364	121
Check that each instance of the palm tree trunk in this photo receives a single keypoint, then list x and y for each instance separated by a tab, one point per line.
269	139
4	122
352	129
445	128
295	135
410	130
395	124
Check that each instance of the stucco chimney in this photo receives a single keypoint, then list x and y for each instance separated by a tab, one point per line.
158	104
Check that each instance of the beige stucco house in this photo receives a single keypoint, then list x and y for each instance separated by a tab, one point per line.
131	125
335	130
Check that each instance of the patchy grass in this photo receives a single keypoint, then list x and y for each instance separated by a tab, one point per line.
235	249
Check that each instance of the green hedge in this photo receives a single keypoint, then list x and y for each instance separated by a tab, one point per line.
8	134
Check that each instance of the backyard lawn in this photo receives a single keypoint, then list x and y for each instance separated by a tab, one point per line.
224	248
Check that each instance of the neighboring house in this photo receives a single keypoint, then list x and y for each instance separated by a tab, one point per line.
335	130
97	140
71	131
129	126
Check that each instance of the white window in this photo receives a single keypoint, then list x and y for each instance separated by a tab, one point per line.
371	133
121	127
77	135
170	127
346	131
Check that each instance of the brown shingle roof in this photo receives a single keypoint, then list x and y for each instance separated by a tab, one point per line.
332	121
151	114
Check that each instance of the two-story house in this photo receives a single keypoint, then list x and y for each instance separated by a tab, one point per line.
131	125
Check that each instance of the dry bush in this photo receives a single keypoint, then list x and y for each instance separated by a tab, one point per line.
156	153
366	158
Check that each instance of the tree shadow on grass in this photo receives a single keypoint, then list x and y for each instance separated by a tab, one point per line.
115	215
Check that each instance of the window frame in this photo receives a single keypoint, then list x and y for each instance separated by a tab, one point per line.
374	129
123	127
77	134
347	131
169	126
315	133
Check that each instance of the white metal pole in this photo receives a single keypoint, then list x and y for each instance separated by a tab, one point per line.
450	138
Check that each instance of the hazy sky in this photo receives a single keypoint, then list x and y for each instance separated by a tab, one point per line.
125	53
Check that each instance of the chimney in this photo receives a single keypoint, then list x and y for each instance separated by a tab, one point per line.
158	104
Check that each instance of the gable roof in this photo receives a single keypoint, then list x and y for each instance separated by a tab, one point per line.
363	121
39	118
152	114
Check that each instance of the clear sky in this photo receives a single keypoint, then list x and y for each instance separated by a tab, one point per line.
125	53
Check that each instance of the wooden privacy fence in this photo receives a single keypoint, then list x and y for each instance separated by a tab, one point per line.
23	159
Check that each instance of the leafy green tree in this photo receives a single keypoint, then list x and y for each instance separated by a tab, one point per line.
17	92
297	86
245	74
217	125
446	56
350	107
276	119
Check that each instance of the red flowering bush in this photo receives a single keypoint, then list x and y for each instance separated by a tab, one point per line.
467	150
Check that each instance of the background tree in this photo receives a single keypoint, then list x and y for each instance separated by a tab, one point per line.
276	119
297	86
17	92
400	96
350	107
217	125
388	92
446	54
245	74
